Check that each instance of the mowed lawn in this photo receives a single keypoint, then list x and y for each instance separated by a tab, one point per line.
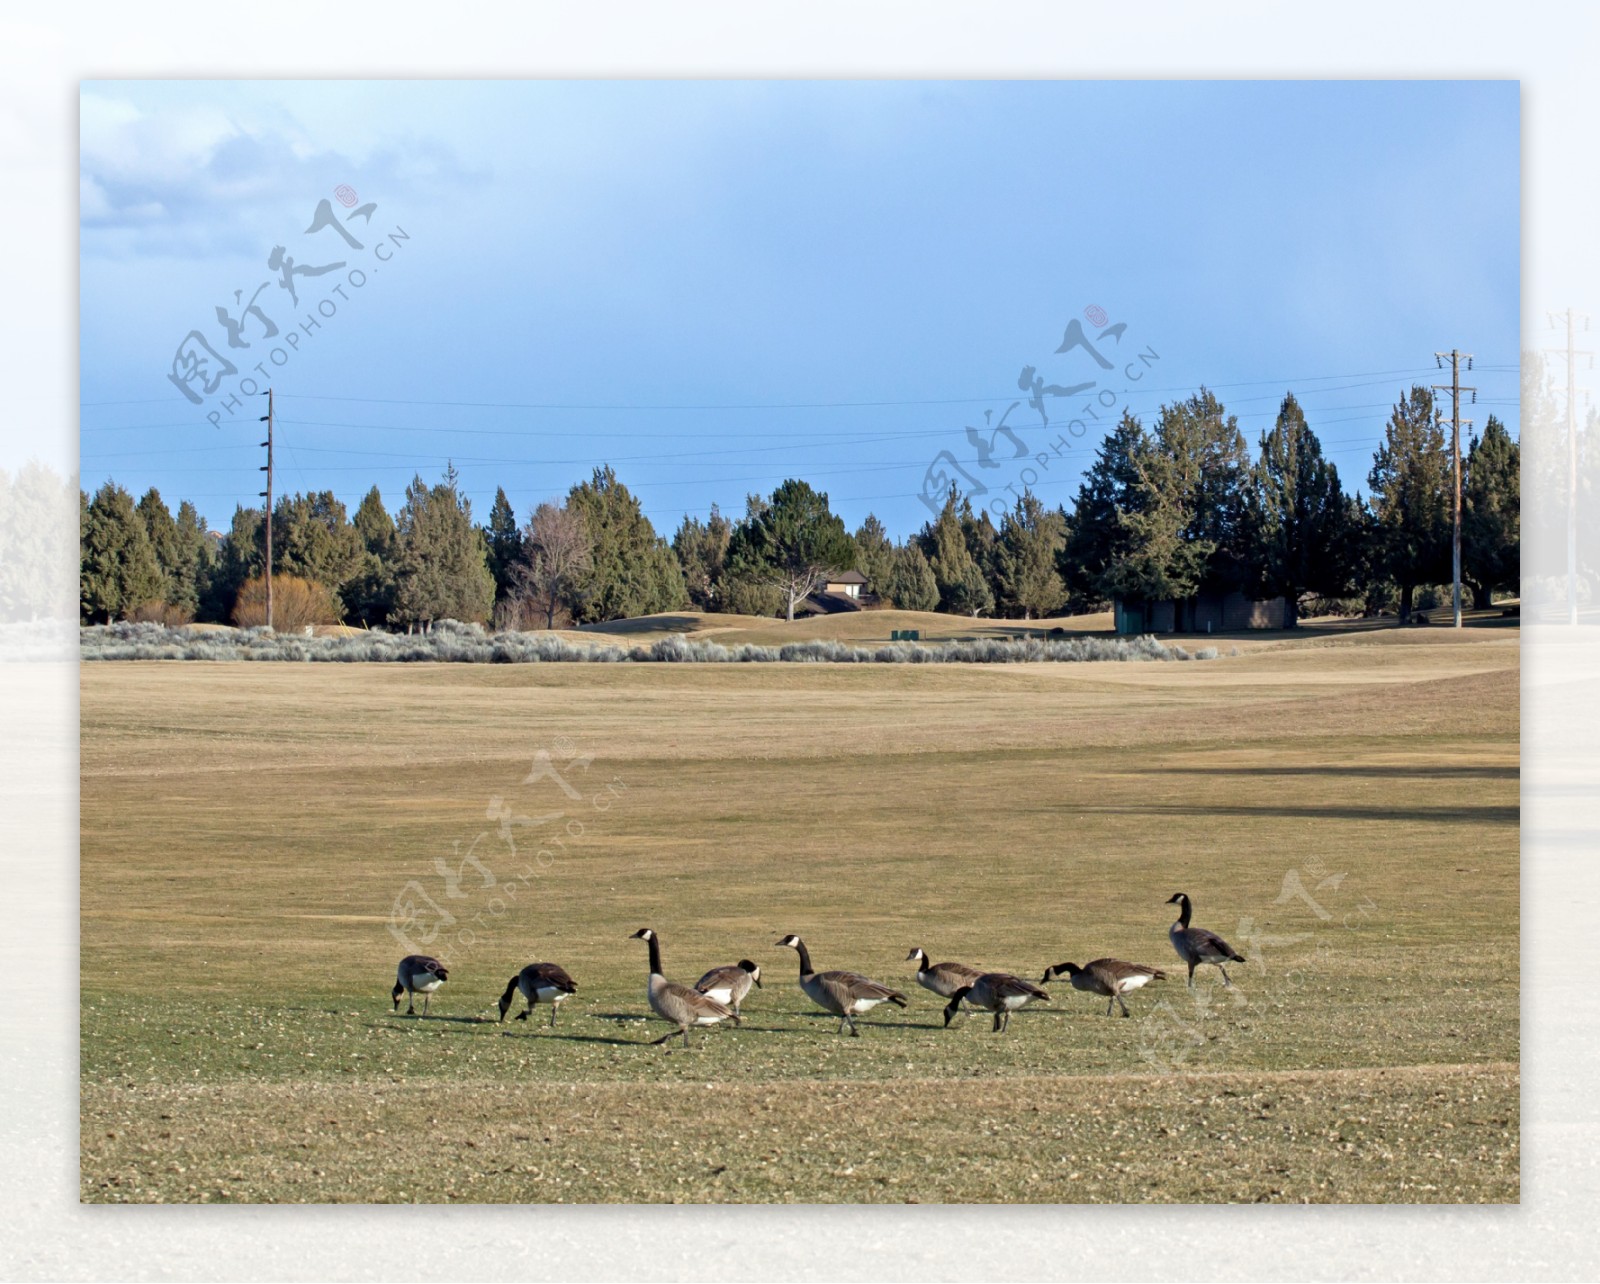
1344	810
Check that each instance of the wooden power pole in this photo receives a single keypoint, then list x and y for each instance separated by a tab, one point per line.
267	495
1572	354
1455	390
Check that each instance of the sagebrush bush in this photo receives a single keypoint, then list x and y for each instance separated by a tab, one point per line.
449	642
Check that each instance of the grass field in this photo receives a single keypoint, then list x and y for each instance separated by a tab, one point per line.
1343	808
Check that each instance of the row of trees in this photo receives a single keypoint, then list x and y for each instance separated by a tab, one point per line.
1167	511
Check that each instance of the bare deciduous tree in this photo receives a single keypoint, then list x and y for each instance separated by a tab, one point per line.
557	554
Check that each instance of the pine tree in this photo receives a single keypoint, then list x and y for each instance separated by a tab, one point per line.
1095	536
312	539
1030	538
369	596
504	539
1410	480
910	585
963	589
163	533
118	567
874	553
240	556
1208	470
702	552
1491	514
633	572
792	542
1297	514
443	569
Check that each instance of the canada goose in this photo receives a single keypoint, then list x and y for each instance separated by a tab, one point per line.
1195	945
1111	977
944	979
729	985
539	983
417	974
678	1003
846	994
997	992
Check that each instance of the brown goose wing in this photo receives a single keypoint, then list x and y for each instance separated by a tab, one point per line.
1114	972
1206	943
692	1001
849	986
551	975
1003	985
718	977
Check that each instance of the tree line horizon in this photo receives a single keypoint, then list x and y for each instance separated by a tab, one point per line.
1169	511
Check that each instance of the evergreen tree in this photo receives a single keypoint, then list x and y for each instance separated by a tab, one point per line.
702	552
163	533
504	539
1297	514
192	571
1491	514
793	542
312	538
910	585
1410	481
1159	557
1095	535
963	588
632	572
874	554
1208	470
443	566
118	567
369	595
239	557
1030	539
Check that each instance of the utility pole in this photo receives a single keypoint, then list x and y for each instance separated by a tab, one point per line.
267	495
1455	390
1572	354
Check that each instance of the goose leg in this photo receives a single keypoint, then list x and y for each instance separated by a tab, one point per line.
1120	1004
1224	972
426	999
554	1008
670	1034
1191	975
410	1010
854	1033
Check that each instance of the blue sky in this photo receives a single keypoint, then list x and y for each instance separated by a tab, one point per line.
717	285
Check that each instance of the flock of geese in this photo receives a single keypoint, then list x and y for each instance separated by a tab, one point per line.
717	996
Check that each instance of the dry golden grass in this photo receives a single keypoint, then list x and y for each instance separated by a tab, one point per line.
247	828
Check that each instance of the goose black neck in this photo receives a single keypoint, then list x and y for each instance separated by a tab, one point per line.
655	956
1184	910
805	957
511	988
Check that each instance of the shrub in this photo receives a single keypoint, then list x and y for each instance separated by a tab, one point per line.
161	613
449	642
296	603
